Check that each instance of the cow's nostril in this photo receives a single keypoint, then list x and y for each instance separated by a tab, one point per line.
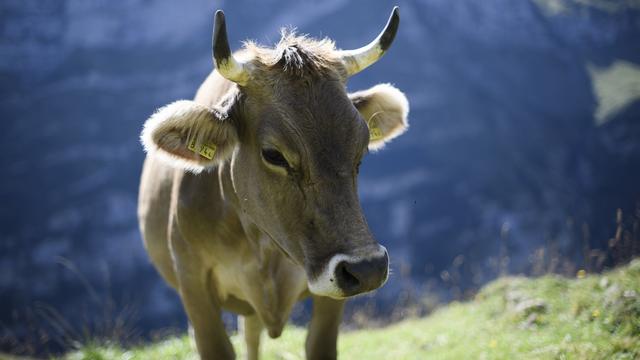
346	278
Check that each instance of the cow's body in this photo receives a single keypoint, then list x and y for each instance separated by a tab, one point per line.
248	273
248	197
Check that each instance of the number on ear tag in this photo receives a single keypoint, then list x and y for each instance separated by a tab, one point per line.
206	150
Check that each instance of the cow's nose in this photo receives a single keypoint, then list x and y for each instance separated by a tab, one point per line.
362	276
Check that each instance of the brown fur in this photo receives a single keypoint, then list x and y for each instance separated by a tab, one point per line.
248	236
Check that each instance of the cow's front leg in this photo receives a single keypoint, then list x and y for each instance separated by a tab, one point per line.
205	316
201	305
322	338
252	330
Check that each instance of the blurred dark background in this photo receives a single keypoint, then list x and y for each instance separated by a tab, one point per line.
523	154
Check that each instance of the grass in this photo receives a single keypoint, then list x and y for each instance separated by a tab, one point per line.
551	317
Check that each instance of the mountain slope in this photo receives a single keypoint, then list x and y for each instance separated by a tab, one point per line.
524	137
590	317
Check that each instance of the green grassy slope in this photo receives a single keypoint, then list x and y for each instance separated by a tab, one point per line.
590	317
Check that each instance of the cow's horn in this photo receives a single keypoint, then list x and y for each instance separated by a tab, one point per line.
227	65
358	59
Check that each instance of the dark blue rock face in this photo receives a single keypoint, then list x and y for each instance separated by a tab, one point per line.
525	134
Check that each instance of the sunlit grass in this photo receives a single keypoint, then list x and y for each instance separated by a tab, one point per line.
589	317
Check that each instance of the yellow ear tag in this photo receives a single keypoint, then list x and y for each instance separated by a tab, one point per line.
374	134
206	150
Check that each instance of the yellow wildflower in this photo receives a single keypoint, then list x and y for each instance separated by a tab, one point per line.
581	274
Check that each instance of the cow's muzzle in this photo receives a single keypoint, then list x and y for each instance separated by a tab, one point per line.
345	276
362	276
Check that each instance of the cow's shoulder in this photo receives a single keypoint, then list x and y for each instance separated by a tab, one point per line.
203	216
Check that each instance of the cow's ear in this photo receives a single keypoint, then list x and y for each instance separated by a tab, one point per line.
385	109
189	135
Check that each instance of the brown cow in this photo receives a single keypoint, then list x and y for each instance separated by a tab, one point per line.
248	198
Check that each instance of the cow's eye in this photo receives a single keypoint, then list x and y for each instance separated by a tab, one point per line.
274	157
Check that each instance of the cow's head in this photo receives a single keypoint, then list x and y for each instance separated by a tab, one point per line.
293	138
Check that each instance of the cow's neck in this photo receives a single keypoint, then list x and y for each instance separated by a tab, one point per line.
281	283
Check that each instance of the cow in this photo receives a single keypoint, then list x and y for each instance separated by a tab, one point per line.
248	195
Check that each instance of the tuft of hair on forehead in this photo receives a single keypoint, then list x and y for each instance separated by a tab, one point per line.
297	54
